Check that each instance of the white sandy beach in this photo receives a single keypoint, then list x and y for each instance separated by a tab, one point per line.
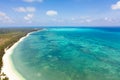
8	67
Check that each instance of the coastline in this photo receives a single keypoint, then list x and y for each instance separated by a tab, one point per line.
8	67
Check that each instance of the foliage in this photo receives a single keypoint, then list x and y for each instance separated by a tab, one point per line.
8	36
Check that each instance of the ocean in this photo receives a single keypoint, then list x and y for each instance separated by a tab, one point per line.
69	54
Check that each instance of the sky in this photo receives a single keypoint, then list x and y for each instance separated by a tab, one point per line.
59	12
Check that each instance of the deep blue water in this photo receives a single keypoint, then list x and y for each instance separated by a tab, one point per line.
69	54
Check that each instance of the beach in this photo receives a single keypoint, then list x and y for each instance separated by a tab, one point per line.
8	67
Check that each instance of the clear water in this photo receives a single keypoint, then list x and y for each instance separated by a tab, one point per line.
69	54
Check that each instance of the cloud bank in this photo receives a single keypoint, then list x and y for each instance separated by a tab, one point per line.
116	6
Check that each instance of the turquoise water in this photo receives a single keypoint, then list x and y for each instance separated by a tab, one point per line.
69	54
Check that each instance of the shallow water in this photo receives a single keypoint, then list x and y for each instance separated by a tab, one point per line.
69	54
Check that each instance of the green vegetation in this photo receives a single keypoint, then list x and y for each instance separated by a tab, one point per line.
8	36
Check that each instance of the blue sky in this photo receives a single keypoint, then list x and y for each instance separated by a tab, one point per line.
60	12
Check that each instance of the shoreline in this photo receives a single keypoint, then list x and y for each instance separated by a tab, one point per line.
8	67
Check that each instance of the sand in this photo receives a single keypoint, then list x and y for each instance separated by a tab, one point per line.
8	67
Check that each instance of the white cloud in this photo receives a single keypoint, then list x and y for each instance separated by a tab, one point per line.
29	17
107	19
83	19
51	13
30	1
30	9
2	14
25	9
20	9
4	18
88	20
116	6
73	19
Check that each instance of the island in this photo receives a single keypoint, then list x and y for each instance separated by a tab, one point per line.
8	36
